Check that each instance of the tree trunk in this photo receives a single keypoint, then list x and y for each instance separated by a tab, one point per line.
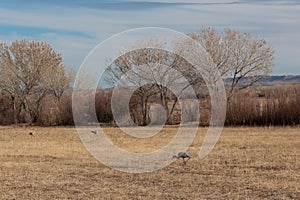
164	103
13	99
144	111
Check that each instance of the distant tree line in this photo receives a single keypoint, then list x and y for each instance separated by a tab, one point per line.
259	106
35	87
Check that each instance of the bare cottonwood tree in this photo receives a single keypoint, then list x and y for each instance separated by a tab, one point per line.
163	69
29	72
135	66
58	81
236	55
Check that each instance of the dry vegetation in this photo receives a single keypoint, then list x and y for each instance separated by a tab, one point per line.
255	106
264	106
246	163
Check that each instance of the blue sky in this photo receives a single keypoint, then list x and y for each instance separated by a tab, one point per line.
75	27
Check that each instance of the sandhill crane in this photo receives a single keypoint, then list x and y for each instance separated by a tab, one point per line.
31	134
95	132
182	155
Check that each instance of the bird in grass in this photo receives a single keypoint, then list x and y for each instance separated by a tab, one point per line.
31	134
94	132
182	155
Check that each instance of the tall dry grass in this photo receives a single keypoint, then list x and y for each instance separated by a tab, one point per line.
256	106
278	105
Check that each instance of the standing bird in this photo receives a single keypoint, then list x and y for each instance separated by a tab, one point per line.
182	155
95	132
31	134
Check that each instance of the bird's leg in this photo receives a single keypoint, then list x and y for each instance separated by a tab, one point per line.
187	159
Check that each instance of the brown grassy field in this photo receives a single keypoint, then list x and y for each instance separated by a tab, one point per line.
246	163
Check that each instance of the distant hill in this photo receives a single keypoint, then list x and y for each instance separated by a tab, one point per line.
265	81
271	80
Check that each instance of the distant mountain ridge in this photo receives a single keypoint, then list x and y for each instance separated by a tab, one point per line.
271	80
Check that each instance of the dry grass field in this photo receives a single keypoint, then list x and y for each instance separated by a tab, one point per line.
246	163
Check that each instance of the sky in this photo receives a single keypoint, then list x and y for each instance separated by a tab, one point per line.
75	27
